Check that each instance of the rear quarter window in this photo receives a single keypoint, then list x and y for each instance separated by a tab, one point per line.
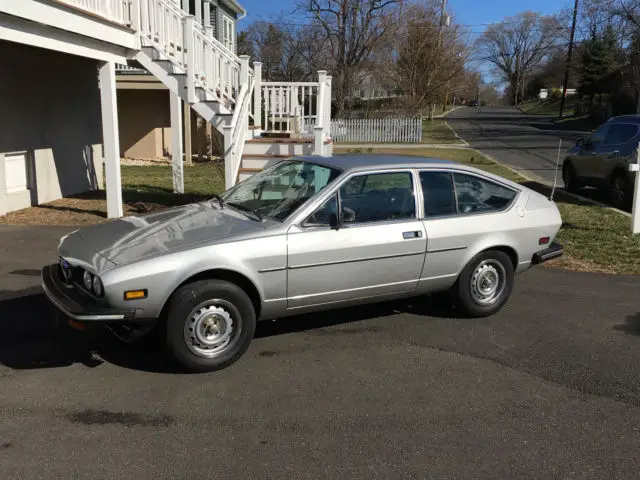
476	195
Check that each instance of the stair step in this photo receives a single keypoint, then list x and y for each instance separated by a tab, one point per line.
279	140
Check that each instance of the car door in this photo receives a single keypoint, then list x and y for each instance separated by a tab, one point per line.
375	250
590	154
613	149
459	210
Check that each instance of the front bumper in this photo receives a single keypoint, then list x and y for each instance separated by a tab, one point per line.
555	250
75	304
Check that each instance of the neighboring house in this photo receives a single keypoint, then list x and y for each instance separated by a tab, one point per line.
62	127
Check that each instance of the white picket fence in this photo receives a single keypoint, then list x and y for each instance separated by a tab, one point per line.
377	130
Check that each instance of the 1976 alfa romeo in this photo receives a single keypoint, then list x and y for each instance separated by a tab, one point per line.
306	234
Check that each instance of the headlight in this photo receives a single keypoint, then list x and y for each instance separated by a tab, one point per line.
98	289
88	280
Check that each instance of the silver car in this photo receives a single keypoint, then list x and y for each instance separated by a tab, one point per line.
306	234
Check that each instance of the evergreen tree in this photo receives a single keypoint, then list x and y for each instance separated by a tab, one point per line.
599	63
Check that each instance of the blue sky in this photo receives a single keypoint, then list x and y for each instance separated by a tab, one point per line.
474	13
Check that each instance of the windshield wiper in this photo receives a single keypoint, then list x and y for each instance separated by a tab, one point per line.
219	199
256	216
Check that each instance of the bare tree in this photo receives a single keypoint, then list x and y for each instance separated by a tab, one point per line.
517	45
352	28
428	59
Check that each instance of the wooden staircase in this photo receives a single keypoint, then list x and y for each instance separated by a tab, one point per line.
260	151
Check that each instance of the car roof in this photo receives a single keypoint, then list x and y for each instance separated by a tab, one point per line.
367	161
351	162
625	119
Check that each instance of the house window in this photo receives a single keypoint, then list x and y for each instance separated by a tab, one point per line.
228	32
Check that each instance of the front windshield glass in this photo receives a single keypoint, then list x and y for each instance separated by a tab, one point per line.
280	190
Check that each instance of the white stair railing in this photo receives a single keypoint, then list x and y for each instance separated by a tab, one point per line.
115	10
301	109
185	42
234	134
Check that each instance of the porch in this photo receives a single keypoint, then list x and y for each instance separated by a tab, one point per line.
161	39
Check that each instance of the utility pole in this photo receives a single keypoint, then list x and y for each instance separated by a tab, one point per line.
568	66
442	9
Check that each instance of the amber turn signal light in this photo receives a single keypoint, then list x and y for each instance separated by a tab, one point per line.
135	294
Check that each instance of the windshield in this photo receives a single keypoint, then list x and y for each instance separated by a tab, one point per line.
280	190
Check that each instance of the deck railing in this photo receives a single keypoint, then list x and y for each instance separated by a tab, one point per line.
300	109
118	11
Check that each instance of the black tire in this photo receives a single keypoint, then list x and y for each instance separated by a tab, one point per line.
570	179
466	288
620	191
209	307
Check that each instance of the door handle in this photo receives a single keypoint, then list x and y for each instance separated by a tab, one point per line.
415	234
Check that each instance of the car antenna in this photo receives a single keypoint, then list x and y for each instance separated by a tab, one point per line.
555	177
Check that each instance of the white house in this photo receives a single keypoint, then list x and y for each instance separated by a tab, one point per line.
59	128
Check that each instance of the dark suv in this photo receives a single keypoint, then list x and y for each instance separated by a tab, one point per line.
602	160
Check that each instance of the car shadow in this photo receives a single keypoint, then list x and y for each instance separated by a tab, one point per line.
33	335
631	325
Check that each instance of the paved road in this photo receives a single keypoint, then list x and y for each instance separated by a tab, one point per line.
524	142
548	388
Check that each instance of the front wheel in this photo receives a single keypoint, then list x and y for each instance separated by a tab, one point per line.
485	284
210	324
570	178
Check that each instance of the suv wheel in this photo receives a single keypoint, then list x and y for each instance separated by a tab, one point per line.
570	178
621	190
210	324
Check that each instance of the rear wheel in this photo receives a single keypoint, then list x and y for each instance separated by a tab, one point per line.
485	284
621	190
210	324
570	179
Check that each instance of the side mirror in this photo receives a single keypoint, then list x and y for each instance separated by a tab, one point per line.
581	141
334	223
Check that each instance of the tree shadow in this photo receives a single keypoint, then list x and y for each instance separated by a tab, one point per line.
631	325
33	335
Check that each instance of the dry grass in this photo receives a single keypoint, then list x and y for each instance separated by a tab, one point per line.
145	189
438	132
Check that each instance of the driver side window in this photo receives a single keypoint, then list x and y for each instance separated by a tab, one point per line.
598	137
323	214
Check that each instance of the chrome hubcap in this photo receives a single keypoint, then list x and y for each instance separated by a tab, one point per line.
209	330
488	282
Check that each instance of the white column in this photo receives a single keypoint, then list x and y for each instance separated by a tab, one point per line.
257	94
229	163
244	70
208	29
635	211
111	138
185	6
190	45
199	11
176	142
320	107
327	109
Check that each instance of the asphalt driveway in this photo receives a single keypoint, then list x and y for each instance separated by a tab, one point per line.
547	388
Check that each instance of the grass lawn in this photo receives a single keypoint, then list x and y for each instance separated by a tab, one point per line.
585	123
594	238
438	132
144	189
550	106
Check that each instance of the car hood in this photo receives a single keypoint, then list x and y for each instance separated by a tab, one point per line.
134	238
